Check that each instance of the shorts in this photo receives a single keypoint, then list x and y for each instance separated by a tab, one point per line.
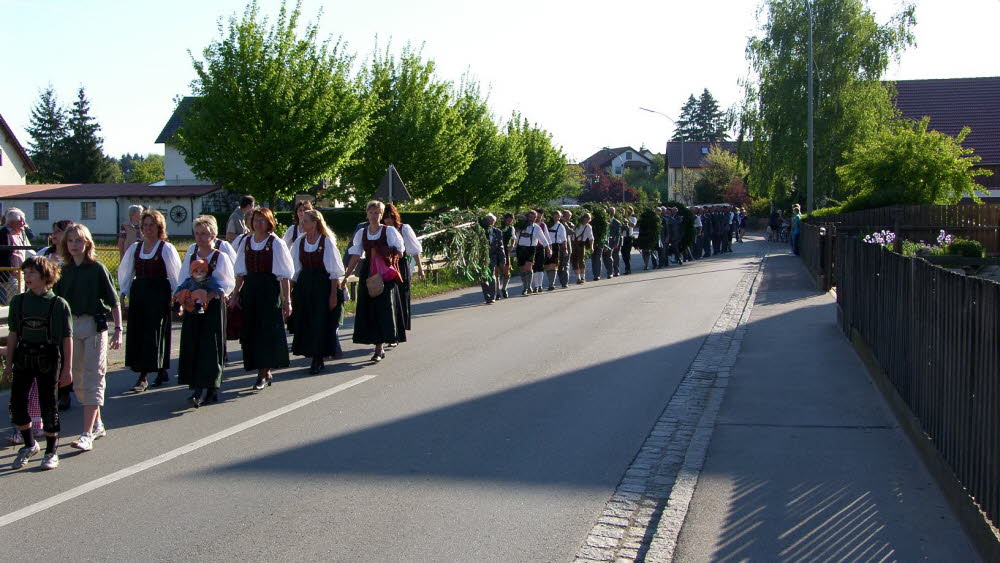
525	254
554	258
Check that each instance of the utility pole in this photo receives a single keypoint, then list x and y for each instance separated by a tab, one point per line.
809	129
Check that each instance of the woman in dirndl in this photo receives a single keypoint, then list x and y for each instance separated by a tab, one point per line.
316	294
203	336
148	275
378	320
294	231
263	269
412	250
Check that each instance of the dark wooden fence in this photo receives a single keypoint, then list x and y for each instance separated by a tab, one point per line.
936	335
816	248
925	222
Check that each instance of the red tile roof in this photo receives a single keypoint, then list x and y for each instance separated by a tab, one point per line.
100	191
9	136
952	103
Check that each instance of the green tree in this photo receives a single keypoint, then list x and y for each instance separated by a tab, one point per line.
711	121
545	165
687	125
498	160
652	182
146	170
719	168
277	112
82	157
48	133
852	51
907	164
417	127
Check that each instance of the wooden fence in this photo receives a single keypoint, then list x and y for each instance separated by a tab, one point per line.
936	335
816	248
925	222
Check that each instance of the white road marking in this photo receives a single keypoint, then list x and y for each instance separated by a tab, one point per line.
163	458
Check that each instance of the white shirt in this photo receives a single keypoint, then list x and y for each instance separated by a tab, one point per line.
392	237
126	270
697	221
557	234
223	272
281	258
292	234
411	242
584	233
536	233
635	225
331	256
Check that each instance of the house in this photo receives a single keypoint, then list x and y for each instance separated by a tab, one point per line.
176	171
14	160
616	161
952	103
684	168
104	207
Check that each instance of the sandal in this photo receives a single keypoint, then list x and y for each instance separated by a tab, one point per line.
140	385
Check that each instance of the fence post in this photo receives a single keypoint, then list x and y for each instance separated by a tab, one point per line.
897	218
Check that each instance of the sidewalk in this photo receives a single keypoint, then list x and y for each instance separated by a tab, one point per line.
806	461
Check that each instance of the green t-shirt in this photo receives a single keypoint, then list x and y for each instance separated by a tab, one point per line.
35	309
87	288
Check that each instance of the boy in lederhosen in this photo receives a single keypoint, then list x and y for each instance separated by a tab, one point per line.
558	241
40	336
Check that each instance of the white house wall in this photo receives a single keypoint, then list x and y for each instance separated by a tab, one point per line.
109	215
176	171
12	170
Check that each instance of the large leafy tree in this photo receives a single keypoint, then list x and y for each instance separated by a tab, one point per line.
277	111
719	169
48	132
498	164
852	52
545	165
82	156
907	164
417	127
145	170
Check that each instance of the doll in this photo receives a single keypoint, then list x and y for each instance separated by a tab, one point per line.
194	293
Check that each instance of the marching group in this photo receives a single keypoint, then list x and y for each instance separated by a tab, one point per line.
251	286
545	248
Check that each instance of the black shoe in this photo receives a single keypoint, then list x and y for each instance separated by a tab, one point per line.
196	398
161	378
378	356
211	396
550	288
261	382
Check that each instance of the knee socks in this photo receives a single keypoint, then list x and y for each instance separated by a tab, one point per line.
50	444
526	280
536	280
504	280
551	275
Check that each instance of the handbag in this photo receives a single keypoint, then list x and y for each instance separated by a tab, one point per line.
375	285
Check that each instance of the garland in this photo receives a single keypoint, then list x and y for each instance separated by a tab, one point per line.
461	246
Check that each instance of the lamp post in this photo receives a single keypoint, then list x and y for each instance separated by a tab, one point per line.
666	152
809	127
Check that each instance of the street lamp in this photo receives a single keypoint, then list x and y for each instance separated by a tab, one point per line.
667	152
809	127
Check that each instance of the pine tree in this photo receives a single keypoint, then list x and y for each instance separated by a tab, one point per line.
83	159
48	131
686	125
711	121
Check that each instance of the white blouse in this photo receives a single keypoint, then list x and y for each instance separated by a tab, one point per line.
392	237
223	272
558	234
537	234
126	269
281	258
584	233
292	234
331	256
224	247
411	242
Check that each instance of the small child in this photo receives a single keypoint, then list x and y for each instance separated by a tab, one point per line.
194	293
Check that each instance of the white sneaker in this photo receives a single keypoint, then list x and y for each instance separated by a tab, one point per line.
85	443
24	454
51	461
99	431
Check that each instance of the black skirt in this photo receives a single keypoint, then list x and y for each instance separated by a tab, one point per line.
203	346
314	323
147	346
378	320
263	339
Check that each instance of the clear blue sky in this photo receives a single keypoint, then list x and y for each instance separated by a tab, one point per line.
578	68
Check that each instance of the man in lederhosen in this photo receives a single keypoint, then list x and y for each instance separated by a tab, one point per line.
615	235
567	223
559	244
498	259
527	240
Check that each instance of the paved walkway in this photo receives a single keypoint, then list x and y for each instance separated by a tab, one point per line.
806	462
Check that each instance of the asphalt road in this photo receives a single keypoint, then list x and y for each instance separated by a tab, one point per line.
496	433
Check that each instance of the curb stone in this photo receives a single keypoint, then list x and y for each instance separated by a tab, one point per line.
643	518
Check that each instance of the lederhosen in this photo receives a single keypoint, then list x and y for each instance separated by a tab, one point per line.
579	247
203	341
557	247
538	265
147	347
525	252
314	321
36	362
498	255
380	319
263	339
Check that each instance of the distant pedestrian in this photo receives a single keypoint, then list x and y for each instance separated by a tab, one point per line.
509	243
13	233
129	232
559	244
236	225
563	270
631	230
294	231
527	240
616	234
497	259
583	241
796	226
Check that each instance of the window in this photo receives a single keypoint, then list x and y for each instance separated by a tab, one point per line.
628	155
704	150
88	210
618	170
41	211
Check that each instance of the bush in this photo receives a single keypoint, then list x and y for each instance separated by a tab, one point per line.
966	248
824	212
599	221
759	208
649	230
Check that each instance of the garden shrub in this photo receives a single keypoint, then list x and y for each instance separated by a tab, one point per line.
966	248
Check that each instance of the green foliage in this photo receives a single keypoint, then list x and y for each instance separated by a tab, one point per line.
417	127
545	165
82	158
651	183
819	214
907	164
600	221
966	248
760	207
701	120
464	249
852	53
147	170
277	111
719	169
48	133
650	227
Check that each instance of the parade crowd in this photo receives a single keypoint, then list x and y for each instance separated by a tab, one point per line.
250	286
